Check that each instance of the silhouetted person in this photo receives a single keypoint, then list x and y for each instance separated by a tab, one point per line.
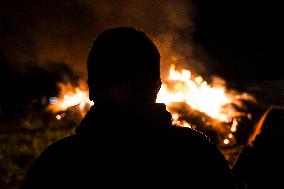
261	164
126	140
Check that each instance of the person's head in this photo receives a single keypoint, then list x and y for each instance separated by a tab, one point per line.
123	67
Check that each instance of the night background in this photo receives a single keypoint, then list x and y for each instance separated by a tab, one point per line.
43	43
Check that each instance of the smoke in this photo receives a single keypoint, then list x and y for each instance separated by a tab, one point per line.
43	31
62	31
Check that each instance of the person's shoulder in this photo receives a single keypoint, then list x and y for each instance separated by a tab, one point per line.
51	163
196	141
189	134
61	147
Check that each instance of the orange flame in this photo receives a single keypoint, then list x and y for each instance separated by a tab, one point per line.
213	100
71	96
179	87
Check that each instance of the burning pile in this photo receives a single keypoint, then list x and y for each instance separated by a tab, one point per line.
212	109
70	96
194	103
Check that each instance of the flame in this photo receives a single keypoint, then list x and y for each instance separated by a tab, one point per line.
215	100
180	87
70	96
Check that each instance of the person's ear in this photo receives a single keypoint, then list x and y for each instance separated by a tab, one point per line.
91	95
91	91
158	85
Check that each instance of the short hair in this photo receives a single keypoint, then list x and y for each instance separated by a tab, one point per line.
123	55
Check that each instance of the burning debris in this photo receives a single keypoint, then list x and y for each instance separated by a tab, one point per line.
70	96
212	109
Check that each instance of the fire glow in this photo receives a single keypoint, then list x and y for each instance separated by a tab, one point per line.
70	96
179	87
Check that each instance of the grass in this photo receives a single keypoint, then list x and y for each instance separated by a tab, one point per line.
24	136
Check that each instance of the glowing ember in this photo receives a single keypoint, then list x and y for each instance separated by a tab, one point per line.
58	116
226	141
176	121
230	135
234	126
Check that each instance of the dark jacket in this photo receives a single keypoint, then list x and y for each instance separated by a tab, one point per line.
261	163
130	148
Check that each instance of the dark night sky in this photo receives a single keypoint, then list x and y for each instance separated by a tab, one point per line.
245	37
